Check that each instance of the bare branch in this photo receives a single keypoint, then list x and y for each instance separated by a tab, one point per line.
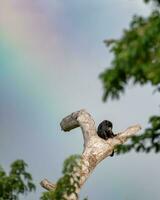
95	148
123	136
80	119
48	185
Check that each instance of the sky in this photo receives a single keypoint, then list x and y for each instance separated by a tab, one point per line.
51	55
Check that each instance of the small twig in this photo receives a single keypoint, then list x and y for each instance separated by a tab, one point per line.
47	185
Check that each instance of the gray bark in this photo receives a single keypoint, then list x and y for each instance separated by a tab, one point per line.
95	148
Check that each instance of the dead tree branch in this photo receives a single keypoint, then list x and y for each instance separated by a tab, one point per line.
95	148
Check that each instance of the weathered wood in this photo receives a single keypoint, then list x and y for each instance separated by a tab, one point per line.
95	148
47	185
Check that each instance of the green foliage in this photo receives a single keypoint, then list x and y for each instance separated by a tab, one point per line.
18	181
149	140
47	195
67	184
157	2
136	58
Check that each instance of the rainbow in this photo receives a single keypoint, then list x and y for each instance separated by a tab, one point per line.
30	53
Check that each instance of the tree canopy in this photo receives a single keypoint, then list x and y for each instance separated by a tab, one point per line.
136	59
17	181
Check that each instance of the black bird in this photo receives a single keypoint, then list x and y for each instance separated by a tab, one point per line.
105	131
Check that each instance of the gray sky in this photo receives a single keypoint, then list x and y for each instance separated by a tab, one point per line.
56	54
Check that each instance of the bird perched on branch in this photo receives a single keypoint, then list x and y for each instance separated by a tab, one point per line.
104	131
